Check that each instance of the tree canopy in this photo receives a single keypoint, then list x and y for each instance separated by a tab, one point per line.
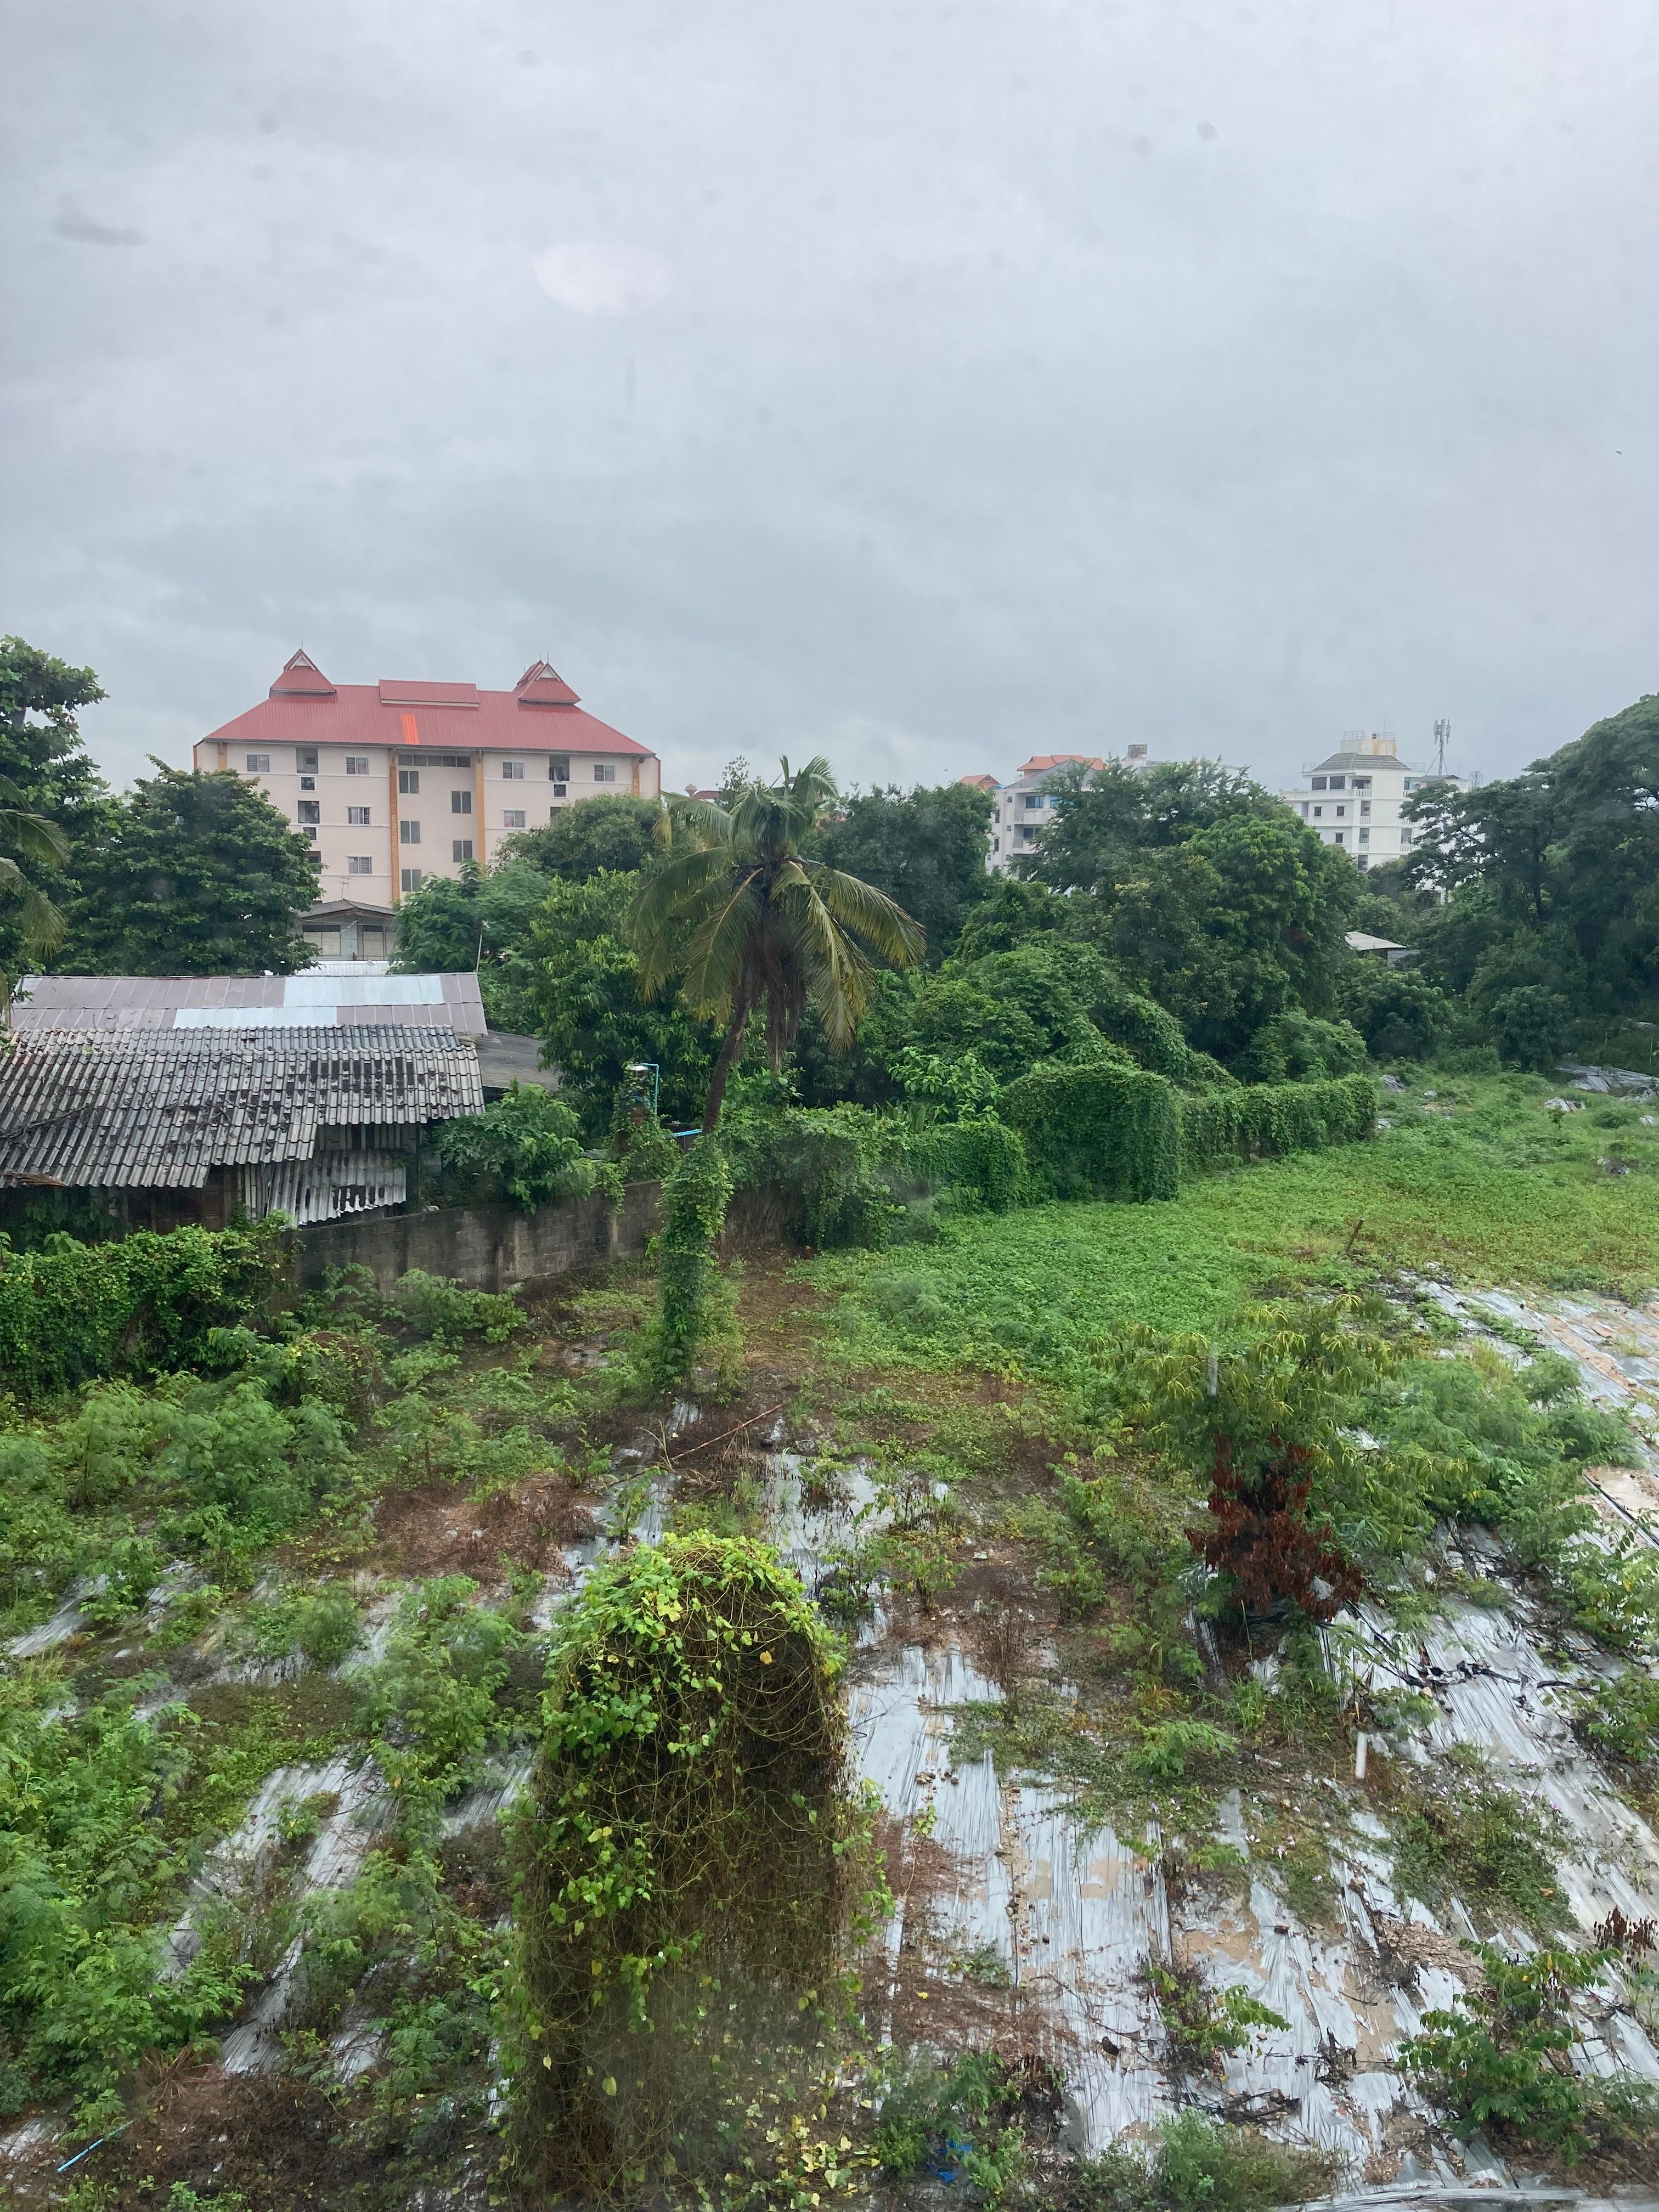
582	988
51	795
196	875
611	835
925	848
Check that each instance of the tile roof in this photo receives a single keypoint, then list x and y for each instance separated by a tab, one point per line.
315	998
158	1108
540	716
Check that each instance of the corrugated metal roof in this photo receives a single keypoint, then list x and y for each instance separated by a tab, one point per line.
158	1108
312	999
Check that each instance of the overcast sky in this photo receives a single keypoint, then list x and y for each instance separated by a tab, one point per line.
925	384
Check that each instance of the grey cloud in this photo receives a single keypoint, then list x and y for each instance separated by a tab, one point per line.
72	222
913	379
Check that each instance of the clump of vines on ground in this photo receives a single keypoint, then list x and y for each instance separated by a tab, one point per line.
693	1875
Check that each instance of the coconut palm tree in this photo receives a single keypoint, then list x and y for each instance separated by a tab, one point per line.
746	921
37	838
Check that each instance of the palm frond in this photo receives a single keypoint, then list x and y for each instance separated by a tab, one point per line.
882	922
714	958
34	836
666	904
698	821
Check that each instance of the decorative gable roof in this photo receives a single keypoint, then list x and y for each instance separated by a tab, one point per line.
542	685
302	678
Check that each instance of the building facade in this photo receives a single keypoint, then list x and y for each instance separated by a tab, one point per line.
1022	810
1353	799
398	782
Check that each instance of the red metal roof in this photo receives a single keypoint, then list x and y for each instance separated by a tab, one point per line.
1042	761
405	691
406	713
979	782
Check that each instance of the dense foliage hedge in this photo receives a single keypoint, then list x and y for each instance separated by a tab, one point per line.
1249	1120
142	1306
1097	1129
694	1202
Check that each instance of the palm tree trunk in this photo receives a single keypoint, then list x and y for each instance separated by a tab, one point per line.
727	1060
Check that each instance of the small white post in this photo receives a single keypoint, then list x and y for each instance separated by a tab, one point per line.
1360	1756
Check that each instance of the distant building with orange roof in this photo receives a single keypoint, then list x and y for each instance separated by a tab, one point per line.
1023	810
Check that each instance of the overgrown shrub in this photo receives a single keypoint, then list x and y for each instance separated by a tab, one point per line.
826	1168
982	1159
145	1305
1100	1129
1258	1118
526	1146
1200	2163
687	1868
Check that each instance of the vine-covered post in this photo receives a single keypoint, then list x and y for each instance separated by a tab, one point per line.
693	1198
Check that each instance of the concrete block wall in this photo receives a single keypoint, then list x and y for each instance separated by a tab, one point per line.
486	1248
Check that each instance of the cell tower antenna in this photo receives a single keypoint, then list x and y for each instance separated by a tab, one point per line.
1441	738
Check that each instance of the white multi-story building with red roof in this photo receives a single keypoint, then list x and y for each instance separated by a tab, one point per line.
399	780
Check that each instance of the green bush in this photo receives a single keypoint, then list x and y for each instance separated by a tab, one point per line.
1273	1118
526	1147
1098	1129
982	1159
145	1305
1298	1048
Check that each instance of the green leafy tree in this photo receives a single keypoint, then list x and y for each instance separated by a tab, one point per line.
1239	922
925	848
481	918
750	925
1402	1015
199	875
51	795
1106	820
599	836
583	991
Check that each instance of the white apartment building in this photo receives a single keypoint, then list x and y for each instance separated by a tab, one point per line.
399	780
1022	810
1353	798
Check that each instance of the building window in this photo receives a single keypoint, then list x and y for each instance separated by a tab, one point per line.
356	764
460	802
1340	835
558	771
1410	783
1405	837
996	844
603	773
412	879
360	863
409	833
1318	813
1318	783
1364	810
408	781
512	771
304	759
1034	798
258	763
1362	783
310	810
1336	783
357	817
1304	809
513	818
308	783
1365	837
1340	811
310	836
374	936
461	849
